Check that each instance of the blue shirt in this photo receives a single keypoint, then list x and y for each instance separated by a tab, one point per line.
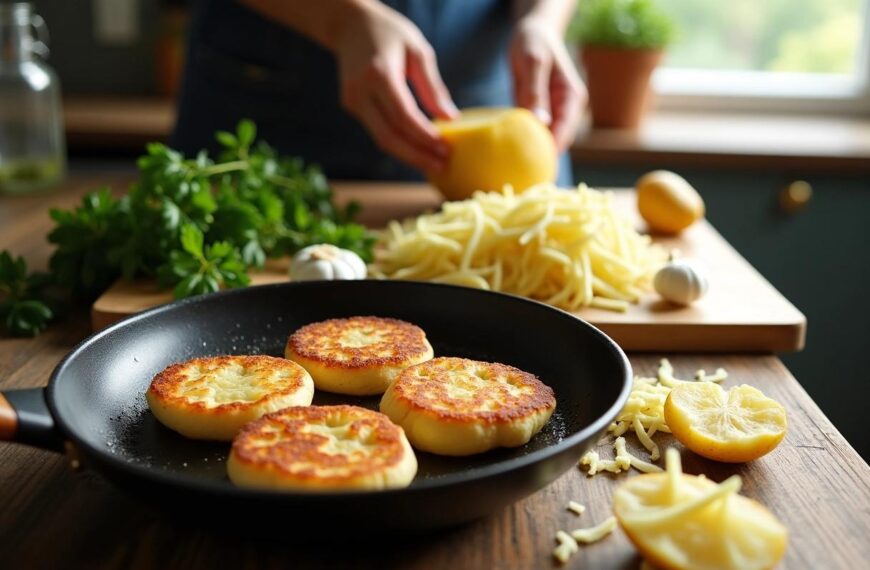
243	65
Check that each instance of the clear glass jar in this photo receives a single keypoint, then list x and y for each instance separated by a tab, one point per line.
32	154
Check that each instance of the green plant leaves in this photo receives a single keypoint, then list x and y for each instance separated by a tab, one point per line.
197	225
633	24
192	240
196	270
21	312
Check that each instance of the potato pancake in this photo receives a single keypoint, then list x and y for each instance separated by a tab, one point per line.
456	406
359	355
212	398
322	448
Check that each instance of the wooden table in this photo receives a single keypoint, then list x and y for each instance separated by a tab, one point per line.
52	517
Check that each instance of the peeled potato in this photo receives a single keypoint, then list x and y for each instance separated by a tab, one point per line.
668	202
491	147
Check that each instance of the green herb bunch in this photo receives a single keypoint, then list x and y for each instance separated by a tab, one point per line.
196	225
23	309
630	24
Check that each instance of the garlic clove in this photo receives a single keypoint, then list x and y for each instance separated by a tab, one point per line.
357	265
324	251
326	262
313	271
681	282
343	270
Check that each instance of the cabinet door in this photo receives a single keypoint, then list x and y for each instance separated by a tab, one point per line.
817	257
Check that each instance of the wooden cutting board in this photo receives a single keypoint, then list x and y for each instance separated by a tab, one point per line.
741	312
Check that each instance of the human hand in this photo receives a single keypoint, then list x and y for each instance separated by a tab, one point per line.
545	80
379	51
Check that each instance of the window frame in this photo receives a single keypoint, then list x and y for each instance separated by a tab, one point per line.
769	91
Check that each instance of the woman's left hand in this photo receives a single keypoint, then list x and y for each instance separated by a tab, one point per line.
545	80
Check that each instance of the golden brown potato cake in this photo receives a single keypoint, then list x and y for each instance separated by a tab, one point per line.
212	398
456	406
322	448
358	355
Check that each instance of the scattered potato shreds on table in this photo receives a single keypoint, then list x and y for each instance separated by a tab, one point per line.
644	415
568	248
569	543
576	508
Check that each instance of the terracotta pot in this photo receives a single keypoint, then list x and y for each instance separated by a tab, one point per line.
169	52
618	83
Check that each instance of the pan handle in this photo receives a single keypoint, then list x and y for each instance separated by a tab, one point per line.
24	418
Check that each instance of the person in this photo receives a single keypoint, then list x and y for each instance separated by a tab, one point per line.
353	85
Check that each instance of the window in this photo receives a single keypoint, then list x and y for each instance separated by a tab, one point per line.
768	54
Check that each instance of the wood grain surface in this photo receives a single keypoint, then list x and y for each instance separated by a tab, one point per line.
53	517
113	122
741	312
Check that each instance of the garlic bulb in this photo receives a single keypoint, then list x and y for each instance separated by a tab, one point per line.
681	282
326	262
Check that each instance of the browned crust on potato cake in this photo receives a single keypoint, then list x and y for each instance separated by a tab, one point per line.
423	388
165	385
318	342
296	454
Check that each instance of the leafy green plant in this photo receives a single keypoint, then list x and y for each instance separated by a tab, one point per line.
196	269
630	24
22	312
195	224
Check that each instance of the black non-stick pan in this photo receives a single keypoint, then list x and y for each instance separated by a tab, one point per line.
95	401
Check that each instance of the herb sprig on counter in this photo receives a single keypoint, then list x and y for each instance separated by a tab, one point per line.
195	224
22	310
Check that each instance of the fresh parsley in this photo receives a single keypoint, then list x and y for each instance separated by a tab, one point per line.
22	312
195	224
196	269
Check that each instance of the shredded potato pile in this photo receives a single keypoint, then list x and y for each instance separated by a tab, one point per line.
568	248
644	414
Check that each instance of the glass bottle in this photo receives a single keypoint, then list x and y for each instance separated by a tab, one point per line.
32	154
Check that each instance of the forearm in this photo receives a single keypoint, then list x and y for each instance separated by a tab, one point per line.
556	13
320	20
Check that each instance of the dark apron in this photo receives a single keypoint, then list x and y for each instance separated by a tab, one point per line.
242	65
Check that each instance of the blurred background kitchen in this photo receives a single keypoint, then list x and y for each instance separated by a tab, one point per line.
763	106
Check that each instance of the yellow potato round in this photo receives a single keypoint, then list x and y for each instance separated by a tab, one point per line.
357	355
732	426
456	406
667	202
212	398
493	147
686	522
316	448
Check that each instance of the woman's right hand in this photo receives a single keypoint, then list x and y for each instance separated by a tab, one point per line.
379	52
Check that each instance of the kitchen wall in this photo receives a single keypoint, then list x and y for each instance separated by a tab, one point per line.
103	47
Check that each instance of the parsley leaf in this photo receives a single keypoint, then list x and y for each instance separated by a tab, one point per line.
196	224
21	312
196	269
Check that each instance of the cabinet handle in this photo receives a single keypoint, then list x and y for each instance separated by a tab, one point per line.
795	196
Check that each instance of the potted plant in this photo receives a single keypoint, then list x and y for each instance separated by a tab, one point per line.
621	43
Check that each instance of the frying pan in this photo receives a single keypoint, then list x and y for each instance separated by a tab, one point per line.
95	405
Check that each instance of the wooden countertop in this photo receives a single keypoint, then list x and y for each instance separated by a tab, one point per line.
105	122
814	481
679	138
741	312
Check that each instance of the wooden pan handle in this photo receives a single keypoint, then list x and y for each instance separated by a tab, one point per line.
25	418
8	420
